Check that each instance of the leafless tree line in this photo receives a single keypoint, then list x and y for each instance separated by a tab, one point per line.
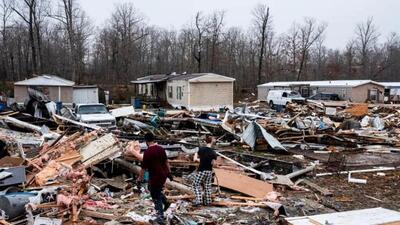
56	37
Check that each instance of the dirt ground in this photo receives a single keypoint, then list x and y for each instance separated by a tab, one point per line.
379	191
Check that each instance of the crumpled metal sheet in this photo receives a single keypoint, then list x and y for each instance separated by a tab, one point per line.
250	135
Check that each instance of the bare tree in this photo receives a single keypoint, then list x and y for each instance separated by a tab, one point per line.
201	27
349	55
215	29
77	29
5	13
367	36
309	33
292	48
29	18
262	23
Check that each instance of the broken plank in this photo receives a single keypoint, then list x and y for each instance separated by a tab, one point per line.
60	119
246	198
314	186
225	203
99	215
243	184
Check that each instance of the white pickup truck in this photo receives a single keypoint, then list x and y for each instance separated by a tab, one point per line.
96	114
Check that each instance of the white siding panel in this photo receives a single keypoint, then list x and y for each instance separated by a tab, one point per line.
211	95
86	95
184	100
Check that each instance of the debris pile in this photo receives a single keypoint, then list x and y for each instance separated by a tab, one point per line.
298	166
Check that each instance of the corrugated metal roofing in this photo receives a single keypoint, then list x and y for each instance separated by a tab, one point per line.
46	80
325	83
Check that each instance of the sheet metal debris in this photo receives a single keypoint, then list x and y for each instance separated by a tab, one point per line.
301	161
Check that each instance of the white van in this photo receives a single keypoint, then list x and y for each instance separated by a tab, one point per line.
282	97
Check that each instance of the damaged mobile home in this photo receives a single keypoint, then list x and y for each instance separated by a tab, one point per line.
308	163
189	91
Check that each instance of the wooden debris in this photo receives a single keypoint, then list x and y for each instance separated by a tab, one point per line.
106	216
357	110
314	186
242	183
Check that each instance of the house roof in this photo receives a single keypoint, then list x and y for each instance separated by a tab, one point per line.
192	77
325	83
85	86
203	77
390	84
46	80
151	79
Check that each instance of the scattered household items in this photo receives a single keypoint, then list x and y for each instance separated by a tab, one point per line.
306	163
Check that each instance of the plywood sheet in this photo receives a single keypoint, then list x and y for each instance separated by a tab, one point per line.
242	183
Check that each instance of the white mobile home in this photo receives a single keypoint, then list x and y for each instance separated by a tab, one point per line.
56	88
200	91
354	90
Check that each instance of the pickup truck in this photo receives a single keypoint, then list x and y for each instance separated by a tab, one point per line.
96	114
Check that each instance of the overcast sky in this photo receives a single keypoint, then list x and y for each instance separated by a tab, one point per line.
340	15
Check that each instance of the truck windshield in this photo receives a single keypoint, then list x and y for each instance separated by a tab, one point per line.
294	94
92	109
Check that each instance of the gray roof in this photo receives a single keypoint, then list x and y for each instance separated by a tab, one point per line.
391	84
203	77
46	80
324	83
187	76
151	79
192	77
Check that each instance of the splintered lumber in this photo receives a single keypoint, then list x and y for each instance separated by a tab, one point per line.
99	215
314	186
246	198
25	125
99	150
358	110
170	184
62	120
252	204
242	183
186	197
264	176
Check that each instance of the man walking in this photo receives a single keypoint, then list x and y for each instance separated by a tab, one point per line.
156	162
204	175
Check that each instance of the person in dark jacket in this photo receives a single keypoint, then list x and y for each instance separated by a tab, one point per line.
156	162
204	176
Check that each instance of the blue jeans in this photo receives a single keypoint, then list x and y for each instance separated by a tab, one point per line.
159	200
